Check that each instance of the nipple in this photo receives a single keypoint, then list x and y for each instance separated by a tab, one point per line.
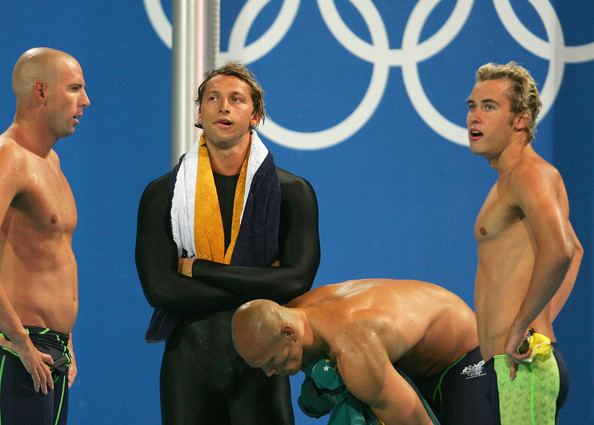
483	231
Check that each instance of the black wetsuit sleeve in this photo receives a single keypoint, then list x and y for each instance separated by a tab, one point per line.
299	251
156	260
217	287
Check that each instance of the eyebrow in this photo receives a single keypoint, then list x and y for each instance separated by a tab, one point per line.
483	101
215	91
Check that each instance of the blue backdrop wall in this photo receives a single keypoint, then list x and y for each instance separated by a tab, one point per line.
366	100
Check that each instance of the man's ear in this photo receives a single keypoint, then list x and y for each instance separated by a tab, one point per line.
289	332
521	121
254	121
40	92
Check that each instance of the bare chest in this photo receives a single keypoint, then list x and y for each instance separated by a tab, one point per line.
45	203
497	216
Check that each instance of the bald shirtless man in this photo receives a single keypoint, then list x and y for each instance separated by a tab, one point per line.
528	252
38	272
366	328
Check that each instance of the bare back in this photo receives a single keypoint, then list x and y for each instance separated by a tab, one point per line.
526	207
422	327
37	265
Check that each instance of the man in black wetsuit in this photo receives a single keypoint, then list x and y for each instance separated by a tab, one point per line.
224	227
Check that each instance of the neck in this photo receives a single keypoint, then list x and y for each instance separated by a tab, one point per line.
32	136
314	345
510	156
227	161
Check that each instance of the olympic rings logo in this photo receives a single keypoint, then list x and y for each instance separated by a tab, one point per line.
382	57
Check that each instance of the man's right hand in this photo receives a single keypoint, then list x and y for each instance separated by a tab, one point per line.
35	362
184	266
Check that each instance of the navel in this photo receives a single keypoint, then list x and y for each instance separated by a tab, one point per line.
54	219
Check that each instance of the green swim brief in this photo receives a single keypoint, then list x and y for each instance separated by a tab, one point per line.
531	398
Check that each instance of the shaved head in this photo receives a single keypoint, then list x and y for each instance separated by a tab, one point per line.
38	64
264	334
257	322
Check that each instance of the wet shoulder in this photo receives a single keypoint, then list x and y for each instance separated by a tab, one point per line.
13	157
10	149
533	169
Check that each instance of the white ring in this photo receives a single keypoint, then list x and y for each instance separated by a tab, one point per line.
357	119
412	82
379	54
159	21
535	45
267	41
395	57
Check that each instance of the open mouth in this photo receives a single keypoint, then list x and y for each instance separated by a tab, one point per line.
475	134
225	122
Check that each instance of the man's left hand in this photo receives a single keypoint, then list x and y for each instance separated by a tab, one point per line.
72	371
517	349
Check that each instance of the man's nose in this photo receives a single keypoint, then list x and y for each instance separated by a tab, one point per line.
86	100
224	105
474	117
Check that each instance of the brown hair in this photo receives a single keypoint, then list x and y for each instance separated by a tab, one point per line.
238	70
523	93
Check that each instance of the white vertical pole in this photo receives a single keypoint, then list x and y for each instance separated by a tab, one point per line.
195	47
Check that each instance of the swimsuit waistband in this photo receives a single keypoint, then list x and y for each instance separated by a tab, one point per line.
50	342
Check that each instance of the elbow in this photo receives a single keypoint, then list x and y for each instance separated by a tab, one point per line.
298	276
151	294
153	299
296	285
304	280
560	259
566	257
153	290
573	251
293	288
300	288
578	252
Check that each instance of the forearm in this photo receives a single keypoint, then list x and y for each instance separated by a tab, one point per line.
562	294
165	288
548	274
280	284
157	261
411	413
299	252
10	323
368	373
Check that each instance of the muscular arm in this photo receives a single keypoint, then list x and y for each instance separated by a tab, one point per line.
215	287
540	195
156	260
369	375
562	294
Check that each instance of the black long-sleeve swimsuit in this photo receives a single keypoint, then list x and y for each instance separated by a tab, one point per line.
203	380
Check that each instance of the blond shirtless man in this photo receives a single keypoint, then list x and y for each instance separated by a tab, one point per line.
38	271
364	329
528	252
